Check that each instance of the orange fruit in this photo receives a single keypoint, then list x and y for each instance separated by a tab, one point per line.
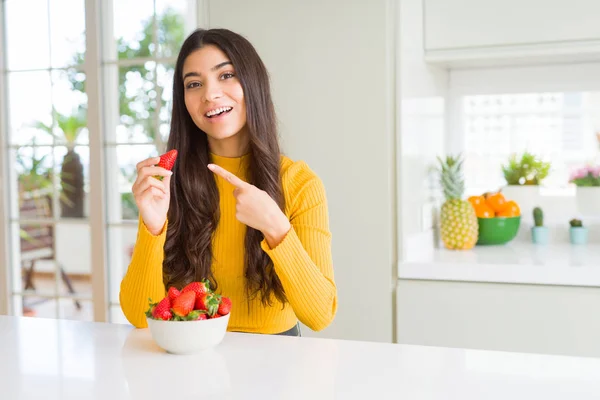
496	201
511	209
484	211
476	200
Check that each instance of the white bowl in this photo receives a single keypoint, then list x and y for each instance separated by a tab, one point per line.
187	337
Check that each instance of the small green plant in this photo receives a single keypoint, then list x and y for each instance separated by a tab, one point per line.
538	216
576	223
526	170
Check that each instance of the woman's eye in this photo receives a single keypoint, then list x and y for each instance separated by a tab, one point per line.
192	85
227	75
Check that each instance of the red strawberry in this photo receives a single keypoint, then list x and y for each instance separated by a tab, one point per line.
173	293
184	304
208	302
200	303
197	287
167	160
224	306
163	310
194	316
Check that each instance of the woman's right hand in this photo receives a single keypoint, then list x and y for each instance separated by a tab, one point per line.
152	196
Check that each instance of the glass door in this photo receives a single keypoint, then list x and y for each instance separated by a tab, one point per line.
80	108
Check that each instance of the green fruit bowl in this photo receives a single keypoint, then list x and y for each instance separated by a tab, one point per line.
498	230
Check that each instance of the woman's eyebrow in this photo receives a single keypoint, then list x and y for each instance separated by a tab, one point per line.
216	67
221	65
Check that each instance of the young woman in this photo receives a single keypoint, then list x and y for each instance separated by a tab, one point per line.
233	209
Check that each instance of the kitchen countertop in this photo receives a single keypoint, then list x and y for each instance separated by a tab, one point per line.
517	262
59	359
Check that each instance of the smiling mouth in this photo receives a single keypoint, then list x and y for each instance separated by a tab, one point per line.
217	112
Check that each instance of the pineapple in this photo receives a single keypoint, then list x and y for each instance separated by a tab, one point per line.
459	228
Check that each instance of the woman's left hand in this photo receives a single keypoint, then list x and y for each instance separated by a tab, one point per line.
255	208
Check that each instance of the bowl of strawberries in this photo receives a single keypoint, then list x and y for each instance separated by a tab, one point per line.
190	320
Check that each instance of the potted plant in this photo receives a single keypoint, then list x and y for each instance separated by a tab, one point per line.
578	234
539	232
72	183
587	181
523	175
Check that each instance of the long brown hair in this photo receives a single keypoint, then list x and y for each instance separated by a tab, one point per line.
194	209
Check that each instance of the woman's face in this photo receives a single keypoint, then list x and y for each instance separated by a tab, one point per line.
213	94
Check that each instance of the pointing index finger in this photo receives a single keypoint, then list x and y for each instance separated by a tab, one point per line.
228	176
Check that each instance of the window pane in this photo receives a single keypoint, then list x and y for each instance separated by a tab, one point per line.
559	127
30	107
41	307
73	256
165	74
137	105
132	33
67	32
79	310
34	182
27	41
37	262
72	168
175	21
116	315
121	241
70	104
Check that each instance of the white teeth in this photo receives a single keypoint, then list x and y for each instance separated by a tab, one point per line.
217	111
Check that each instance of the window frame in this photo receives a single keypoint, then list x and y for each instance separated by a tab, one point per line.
98	31
511	80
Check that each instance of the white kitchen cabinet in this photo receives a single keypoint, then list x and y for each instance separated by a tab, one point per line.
514	297
458	30
562	320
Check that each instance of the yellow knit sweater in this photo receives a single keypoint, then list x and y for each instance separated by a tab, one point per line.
302	260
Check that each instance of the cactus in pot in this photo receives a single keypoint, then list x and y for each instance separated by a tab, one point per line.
539	232
578	234
538	217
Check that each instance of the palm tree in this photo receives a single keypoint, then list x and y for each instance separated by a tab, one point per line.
71	173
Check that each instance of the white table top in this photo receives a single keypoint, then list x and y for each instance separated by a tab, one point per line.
54	359
524	263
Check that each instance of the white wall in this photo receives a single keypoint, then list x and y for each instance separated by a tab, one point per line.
532	78
333	86
423	91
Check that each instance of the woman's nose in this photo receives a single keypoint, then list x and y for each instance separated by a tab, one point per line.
213	91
